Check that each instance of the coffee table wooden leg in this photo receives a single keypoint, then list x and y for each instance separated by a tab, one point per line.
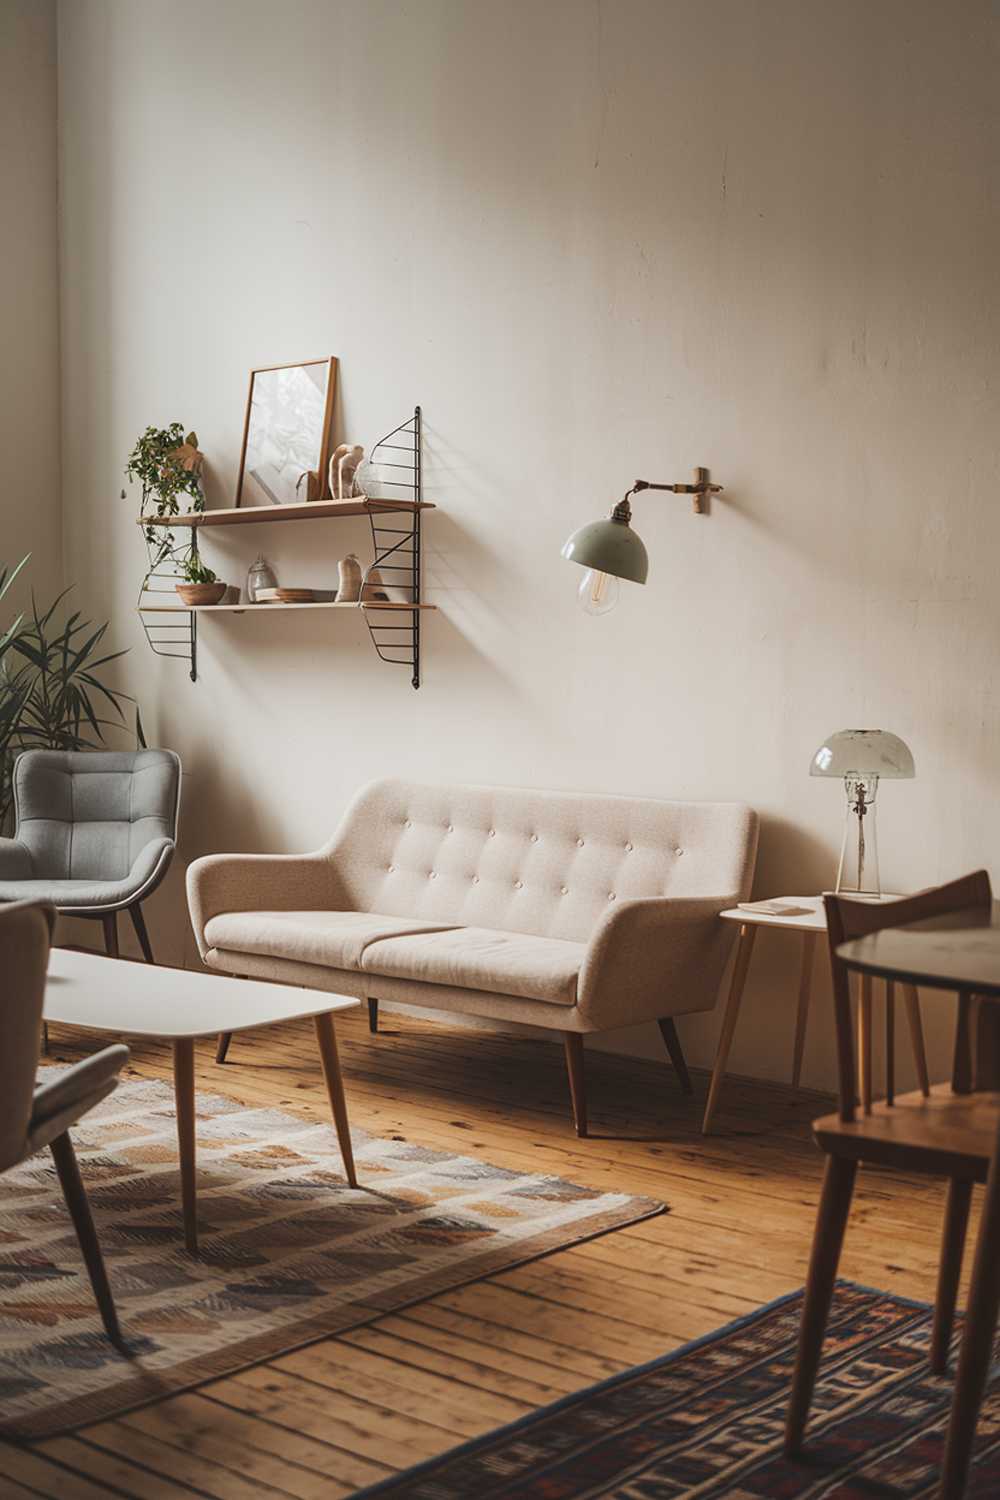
912	1002
184	1100
802	1015
748	933
335	1088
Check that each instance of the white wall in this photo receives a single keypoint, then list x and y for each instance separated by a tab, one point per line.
29	309
595	241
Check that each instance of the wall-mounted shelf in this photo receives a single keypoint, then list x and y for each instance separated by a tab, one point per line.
253	515
271	609
396	550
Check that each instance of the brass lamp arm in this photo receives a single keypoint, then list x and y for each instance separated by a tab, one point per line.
702	486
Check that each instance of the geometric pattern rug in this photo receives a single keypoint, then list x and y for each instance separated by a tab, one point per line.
707	1419
289	1252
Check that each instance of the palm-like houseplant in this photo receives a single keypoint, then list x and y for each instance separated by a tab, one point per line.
51	693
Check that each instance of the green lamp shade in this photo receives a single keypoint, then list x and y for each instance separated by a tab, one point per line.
609	547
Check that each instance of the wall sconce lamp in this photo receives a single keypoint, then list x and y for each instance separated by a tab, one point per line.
610	549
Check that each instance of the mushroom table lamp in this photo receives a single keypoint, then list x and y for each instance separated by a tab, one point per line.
862	757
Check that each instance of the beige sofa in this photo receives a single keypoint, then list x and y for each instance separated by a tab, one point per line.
575	912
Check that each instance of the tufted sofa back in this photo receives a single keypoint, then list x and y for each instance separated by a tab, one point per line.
86	814
545	863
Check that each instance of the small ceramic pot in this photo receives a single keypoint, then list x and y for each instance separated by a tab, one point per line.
201	593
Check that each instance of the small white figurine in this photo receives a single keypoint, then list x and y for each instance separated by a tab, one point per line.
348	580
344	463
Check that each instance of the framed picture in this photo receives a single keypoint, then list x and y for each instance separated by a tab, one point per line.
286	434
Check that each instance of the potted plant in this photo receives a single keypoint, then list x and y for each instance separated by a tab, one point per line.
201	585
167	464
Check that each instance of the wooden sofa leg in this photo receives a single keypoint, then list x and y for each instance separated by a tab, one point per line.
225	1037
573	1042
372	1015
673	1045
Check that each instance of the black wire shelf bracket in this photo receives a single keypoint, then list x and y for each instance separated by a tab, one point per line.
396	550
390	585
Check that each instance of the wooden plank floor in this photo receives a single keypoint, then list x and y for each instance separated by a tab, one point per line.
346	1411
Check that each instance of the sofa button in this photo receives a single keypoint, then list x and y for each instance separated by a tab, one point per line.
391	869
407	824
534	838
628	848
678	851
579	843
432	875
518	885
493	833
564	890
451	828
475	880
611	896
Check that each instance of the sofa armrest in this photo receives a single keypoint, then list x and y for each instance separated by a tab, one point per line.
653	957
15	860
261	882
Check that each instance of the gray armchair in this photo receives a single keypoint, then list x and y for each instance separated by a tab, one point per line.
96	831
32	1118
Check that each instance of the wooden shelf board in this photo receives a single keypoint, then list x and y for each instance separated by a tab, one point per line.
251	515
266	609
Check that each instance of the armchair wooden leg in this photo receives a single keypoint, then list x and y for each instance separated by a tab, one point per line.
225	1037
956	1221
109	921
75	1195
573	1043
831	1222
139	923
372	1015
673	1045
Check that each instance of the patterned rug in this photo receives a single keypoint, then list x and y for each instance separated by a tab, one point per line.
707	1420
289	1253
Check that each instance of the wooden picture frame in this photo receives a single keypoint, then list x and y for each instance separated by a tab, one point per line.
278	478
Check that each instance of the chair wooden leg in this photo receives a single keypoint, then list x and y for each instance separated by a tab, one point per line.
225	1037
75	1195
748	935
912	1002
977	1342
673	1045
327	1039
573	1043
372	1015
184	1103
45	1038
109	921
802	1013
956	1220
139	923
831	1222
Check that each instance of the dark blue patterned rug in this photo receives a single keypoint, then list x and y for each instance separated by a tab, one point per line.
707	1421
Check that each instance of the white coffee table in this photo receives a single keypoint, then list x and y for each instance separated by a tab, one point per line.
179	1006
810	924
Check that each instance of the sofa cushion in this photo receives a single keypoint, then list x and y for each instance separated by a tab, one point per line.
482	958
334	938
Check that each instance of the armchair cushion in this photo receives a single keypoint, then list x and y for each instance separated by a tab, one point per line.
335	939
482	958
147	870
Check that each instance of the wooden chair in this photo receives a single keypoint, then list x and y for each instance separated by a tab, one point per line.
33	1117
949	1133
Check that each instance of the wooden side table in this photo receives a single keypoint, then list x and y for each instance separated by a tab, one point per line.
809	926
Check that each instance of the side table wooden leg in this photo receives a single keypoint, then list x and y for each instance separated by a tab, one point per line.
327	1040
912	1002
865	1042
184	1099
748	934
802	1014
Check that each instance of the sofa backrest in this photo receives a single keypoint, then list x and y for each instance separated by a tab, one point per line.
86	814
545	863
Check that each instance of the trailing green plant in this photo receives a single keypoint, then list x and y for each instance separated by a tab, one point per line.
166	464
194	570
51	693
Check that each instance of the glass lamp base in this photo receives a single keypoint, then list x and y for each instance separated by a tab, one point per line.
858	872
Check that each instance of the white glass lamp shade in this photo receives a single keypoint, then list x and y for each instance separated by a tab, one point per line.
864	752
609	547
